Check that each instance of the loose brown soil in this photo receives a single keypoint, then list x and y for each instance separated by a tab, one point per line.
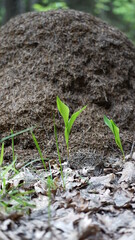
77	57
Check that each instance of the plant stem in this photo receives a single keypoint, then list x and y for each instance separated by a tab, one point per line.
68	152
57	145
2	154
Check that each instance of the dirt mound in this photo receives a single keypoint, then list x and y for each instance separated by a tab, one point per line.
77	57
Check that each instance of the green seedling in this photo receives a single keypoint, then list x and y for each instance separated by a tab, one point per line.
64	111
115	130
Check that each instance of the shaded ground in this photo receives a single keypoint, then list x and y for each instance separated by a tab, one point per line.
83	61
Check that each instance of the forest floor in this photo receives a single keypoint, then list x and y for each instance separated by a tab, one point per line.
95	201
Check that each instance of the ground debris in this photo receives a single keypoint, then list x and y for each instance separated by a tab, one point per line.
91	207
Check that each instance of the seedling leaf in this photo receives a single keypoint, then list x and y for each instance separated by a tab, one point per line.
115	130
108	123
117	137
73	118
64	110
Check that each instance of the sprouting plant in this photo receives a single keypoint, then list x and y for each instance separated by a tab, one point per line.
115	130
64	111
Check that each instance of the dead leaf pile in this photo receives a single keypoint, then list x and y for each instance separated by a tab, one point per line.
92	207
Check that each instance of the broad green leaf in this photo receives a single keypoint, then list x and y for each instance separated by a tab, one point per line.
64	110
73	118
108	123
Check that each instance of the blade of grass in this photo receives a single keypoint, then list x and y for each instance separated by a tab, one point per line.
39	150
16	134
17	193
9	167
2	154
22	203
33	161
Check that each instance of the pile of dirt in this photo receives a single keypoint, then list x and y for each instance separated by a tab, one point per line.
77	57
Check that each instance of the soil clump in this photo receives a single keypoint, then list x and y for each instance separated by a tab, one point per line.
77	57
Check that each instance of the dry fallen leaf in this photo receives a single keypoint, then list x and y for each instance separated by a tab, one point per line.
128	173
102	180
88	228
122	197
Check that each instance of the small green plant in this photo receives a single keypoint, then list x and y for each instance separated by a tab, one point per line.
115	130
8	192
64	111
12	198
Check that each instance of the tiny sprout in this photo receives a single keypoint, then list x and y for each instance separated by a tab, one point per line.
64	111
115	130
